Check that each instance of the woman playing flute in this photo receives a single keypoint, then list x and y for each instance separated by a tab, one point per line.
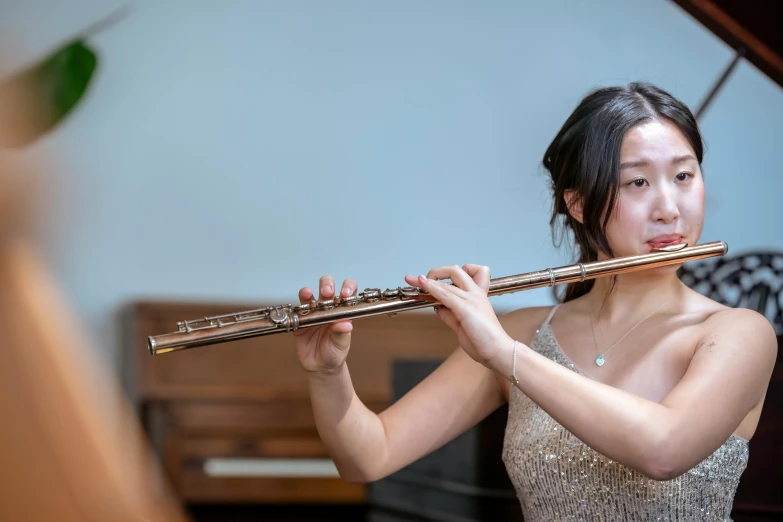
632	399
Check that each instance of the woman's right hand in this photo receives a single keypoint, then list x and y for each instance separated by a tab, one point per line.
323	349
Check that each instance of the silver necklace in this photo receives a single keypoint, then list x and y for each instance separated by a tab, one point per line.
599	360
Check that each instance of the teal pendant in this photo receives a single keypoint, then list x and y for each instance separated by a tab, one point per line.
599	360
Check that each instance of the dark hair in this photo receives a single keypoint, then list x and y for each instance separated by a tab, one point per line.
585	157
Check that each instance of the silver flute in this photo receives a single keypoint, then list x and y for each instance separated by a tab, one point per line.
374	301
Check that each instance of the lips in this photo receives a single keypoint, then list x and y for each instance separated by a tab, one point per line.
665	240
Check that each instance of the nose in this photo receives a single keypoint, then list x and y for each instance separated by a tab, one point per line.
666	208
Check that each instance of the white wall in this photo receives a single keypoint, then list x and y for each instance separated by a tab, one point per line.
239	150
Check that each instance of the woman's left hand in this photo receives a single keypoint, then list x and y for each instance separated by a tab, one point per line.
465	308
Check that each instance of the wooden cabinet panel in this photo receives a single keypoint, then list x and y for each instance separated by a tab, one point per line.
233	423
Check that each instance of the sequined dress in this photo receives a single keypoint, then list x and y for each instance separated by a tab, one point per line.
557	477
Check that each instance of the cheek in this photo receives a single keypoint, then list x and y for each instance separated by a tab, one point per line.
692	206
627	223
628	215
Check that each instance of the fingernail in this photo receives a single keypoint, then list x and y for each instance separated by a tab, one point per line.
346	291
422	279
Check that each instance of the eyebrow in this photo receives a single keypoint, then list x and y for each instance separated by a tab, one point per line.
644	163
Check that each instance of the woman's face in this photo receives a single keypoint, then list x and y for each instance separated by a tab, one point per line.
661	196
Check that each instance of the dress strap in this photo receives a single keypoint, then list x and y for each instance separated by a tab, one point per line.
551	313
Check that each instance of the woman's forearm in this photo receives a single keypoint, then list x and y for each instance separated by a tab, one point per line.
618	424
353	434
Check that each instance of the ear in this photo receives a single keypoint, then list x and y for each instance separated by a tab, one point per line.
574	204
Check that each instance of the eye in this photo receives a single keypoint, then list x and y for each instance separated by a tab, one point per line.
684	176
638	182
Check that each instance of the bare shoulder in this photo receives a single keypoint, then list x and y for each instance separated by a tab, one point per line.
717	316
521	324
713	317
741	323
740	338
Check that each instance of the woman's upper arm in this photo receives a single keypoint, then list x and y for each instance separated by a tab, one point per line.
727	377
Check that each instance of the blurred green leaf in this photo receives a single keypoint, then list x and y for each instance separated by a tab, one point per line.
36	99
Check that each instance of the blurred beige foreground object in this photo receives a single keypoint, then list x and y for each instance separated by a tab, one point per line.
71	448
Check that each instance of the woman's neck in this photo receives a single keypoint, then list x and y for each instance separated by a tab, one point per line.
633	295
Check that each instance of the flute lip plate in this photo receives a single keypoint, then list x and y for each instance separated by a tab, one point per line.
671	248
